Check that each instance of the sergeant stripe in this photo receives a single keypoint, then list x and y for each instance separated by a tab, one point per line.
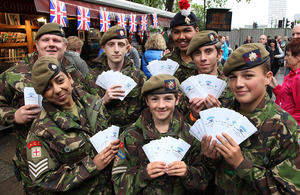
117	172
38	164
37	169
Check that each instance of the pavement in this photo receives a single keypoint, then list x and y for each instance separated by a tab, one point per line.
8	182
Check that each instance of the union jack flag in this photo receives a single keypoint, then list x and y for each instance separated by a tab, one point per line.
132	23
58	12
83	18
104	21
155	21
141	34
130	36
144	22
122	20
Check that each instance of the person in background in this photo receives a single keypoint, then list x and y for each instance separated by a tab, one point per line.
224	48
184	29
267	162
132	172
295	34
278	53
278	39
248	40
155	47
284	43
134	55
60	156
288	94
229	46
115	44
50	41
73	52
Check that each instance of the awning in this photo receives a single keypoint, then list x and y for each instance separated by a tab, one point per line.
43	6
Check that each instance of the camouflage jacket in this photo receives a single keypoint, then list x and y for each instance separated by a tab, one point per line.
185	70
226	99
60	155
123	113
129	170
272	155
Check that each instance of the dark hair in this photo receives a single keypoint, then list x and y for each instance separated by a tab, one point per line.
266	66
294	47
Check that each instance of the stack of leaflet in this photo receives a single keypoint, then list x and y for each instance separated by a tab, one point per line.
31	97
216	120
109	78
102	139
201	85
166	149
157	67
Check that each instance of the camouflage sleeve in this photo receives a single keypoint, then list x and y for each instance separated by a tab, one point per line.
7	112
184	108
284	176
227	97
89	83
128	178
48	174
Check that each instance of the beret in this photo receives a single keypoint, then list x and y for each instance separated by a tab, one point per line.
245	57
202	38
179	20
45	68
161	84
50	28
115	32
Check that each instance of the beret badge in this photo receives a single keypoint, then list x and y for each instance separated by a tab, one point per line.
185	9
252	57
52	67
170	85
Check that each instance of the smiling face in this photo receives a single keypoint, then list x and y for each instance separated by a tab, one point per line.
51	45
115	50
249	86
162	106
59	91
206	59
182	36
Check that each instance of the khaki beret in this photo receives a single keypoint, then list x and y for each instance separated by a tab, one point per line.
202	38
245	57
50	28
161	84
45	68
115	32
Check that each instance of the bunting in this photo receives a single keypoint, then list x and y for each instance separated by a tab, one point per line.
144	22
141	34
132	23
104	21
155	21
130	36
122	20
58	12
83	18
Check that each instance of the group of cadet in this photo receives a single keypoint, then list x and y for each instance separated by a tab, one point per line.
54	154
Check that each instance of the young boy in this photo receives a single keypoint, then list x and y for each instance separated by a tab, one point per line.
268	162
132	172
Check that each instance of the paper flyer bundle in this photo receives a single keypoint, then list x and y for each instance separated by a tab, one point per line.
167	149
103	138
157	67
31	97
216	120
201	85
109	78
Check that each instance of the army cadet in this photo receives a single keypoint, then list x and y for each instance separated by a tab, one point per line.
205	50
184	28
50	41
132	173
115	44
268	162
60	156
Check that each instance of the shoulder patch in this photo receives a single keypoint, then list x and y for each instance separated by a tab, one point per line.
121	145
36	152
38	168
121	155
34	143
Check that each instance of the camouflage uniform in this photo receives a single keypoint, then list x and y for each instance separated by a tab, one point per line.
226	99
129	171
185	70
13	82
272	156
64	162
125	112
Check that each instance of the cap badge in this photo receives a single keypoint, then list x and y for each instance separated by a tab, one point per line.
52	67
211	37
62	30
170	85
187	20
120	32
252	57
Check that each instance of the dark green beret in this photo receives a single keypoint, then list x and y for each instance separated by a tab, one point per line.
50	28
115	32
180	20
245	57
202	38
161	84
44	69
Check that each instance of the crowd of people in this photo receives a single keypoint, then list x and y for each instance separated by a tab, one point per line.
55	155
